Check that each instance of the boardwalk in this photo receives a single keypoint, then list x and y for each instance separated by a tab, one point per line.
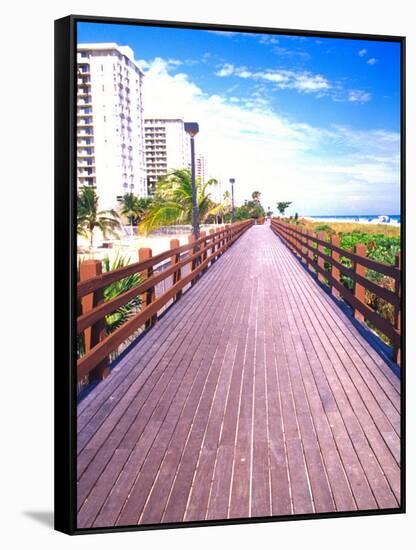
254	395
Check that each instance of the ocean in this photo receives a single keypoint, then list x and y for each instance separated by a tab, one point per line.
390	219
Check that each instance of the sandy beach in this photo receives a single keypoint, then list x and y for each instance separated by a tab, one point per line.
128	247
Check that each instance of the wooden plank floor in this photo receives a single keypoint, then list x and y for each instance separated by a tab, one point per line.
254	395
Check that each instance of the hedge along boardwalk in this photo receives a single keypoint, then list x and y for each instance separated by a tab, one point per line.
259	397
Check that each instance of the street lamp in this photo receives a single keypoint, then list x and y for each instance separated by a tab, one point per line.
192	128
232	181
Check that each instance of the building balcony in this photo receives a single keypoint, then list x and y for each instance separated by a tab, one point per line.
82	124
87	180
86	132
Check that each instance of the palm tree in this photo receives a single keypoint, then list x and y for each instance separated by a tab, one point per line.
256	196
89	217
172	201
225	207
130	208
281	206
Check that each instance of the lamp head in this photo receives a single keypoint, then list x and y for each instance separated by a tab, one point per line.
191	128
232	180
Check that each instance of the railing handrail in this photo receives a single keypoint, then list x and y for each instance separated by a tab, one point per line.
92	288
384	269
300	242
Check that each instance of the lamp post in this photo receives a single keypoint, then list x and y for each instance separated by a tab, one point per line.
192	128
232	181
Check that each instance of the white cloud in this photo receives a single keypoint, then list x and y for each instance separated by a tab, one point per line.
226	34
311	83
302	81
290	52
362	52
226	70
316	168
372	61
268	39
142	63
243	73
358	96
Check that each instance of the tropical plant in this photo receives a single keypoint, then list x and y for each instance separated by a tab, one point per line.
89	217
122	314
172	201
281	206
325	228
250	209
129	208
222	211
255	195
134	208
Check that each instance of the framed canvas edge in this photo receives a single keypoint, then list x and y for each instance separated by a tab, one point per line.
65	272
64	275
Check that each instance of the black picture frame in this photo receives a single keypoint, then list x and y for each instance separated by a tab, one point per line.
65	268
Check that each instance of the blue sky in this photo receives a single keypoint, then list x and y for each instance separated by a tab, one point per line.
313	120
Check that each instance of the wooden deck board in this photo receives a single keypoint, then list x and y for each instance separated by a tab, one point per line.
254	395
343	366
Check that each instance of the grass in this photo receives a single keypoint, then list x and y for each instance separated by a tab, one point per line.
346	227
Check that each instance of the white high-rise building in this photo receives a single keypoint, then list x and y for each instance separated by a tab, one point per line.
201	168
110	133
167	147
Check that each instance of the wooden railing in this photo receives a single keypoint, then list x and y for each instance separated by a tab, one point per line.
310	248
196	256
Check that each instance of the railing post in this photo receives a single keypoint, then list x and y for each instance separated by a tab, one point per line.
149	296
303	248
212	232
227	236
290	236
203	235
93	335
321	261
297	242
310	252
191	239
293	237
175	259
397	312
359	290
335	241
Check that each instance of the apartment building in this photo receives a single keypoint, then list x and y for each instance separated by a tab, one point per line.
167	147
110	130
201	167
